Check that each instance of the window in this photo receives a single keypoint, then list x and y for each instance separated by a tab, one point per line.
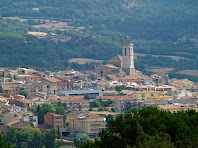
125	51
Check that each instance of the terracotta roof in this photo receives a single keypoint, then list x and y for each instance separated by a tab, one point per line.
52	79
6	95
52	98
74	113
13	122
178	106
116	97
55	115
28	76
73	99
117	57
93	116
111	66
4	128
144	92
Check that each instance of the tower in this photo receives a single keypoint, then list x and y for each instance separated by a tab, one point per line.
127	56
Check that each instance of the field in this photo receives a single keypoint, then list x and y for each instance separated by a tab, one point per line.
173	57
159	70
48	23
55	25
84	60
189	72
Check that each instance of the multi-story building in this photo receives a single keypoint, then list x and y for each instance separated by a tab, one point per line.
162	97
21	116
53	120
75	102
86	123
140	95
124	103
52	86
91	93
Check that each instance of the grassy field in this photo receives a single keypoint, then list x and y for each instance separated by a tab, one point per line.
173	57
159	70
84	60
189	72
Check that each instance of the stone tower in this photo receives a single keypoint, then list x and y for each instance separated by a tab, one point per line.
127	56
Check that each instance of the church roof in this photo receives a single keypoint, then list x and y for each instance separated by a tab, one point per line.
117	57
111	66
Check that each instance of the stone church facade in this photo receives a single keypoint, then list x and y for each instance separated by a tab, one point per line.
120	66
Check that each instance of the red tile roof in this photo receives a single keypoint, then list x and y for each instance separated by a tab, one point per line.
52	79
115	97
73	99
13	122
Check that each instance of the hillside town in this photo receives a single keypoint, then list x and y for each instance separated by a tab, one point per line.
81	102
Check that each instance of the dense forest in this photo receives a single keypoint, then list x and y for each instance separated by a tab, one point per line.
158	27
142	19
147	128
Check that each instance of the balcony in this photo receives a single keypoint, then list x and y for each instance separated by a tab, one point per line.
98	128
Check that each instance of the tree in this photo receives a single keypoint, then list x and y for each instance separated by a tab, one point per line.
149	127
120	88
50	138
6	145
60	110
23	92
29	137
48	108
40	114
86	97
78	142
121	94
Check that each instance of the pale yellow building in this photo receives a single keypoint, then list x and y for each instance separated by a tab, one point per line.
175	107
86	123
140	95
162	97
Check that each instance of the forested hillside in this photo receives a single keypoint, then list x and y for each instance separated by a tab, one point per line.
141	19
158	27
17	48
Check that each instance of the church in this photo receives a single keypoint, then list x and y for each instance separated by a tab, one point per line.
120	66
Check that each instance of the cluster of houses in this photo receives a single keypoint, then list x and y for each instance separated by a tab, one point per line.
78	90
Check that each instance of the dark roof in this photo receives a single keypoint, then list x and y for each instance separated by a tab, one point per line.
4	128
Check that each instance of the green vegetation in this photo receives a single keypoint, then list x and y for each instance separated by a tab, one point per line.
121	94
149	127
23	92
100	104
143	19
31	138
183	76
6	145
78	142
59	108
155	25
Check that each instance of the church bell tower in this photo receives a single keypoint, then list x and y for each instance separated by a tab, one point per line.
127	56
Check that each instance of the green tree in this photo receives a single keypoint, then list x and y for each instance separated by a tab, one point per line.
60	110
86	97
149	127
23	92
40	114
50	138
78	142
46	107
6	145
